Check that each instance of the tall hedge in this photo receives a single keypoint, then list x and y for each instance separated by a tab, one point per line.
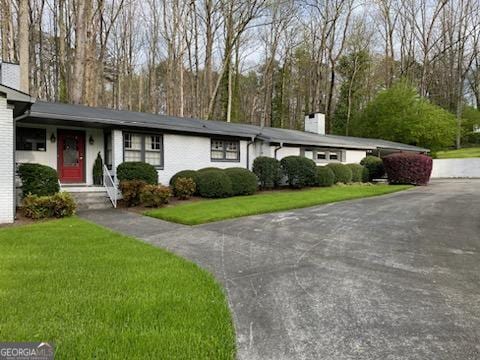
38	180
299	170
268	171
137	170
244	182
343	174
214	184
374	165
408	168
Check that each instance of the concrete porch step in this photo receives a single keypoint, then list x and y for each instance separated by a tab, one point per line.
90	200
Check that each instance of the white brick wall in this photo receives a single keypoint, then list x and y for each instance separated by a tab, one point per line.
117	149
456	168
354	156
192	153
10	75
7	196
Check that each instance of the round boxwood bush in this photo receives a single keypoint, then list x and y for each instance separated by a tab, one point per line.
137	170
343	174
268	171
365	175
408	168
325	176
299	170
214	184
244	182
357	172
192	174
375	166
40	180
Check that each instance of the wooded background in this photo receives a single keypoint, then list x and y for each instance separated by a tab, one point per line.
250	61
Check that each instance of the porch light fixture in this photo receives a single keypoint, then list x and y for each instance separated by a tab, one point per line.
90	140
53	138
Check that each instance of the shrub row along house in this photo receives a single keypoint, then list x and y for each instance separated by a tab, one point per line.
69	138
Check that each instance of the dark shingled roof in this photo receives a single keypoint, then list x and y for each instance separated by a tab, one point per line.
121	118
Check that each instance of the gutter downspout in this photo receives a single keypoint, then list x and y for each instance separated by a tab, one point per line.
276	149
248	151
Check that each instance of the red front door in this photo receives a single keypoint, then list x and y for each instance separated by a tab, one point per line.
71	155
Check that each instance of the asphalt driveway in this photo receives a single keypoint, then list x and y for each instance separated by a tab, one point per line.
391	277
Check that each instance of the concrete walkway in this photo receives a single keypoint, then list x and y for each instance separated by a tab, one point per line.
391	277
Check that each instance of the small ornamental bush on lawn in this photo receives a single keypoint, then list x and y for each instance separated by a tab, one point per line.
325	176
58	205
38	180
374	165
268	171
299	170
244	182
343	174
184	187
155	195
408	168
137	170
131	190
214	184
357	172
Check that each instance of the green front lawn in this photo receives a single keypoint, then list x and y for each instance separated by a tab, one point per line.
98	294
213	210
459	154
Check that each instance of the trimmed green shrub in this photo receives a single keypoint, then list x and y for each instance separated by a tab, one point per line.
244	182
58	205
375	166
131	190
299	170
357	172
192	174
38	180
214	184
184	187
365	175
137	170
325	176
155	195
268	171
209	168
343	174
98	170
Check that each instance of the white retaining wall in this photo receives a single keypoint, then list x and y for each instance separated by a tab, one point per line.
456	168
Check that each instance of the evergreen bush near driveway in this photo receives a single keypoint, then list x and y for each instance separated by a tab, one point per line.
357	172
244	182
343	174
408	168
38	180
214	184
299	170
325	176
137	170
374	165
268	171
365	175
192	174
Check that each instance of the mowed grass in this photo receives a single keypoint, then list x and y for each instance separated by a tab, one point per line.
213	210
459	154
97	294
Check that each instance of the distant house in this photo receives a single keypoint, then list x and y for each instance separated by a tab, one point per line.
69	137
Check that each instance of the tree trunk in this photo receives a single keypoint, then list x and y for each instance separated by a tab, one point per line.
24	43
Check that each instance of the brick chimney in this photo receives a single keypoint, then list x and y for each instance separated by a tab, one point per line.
315	123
